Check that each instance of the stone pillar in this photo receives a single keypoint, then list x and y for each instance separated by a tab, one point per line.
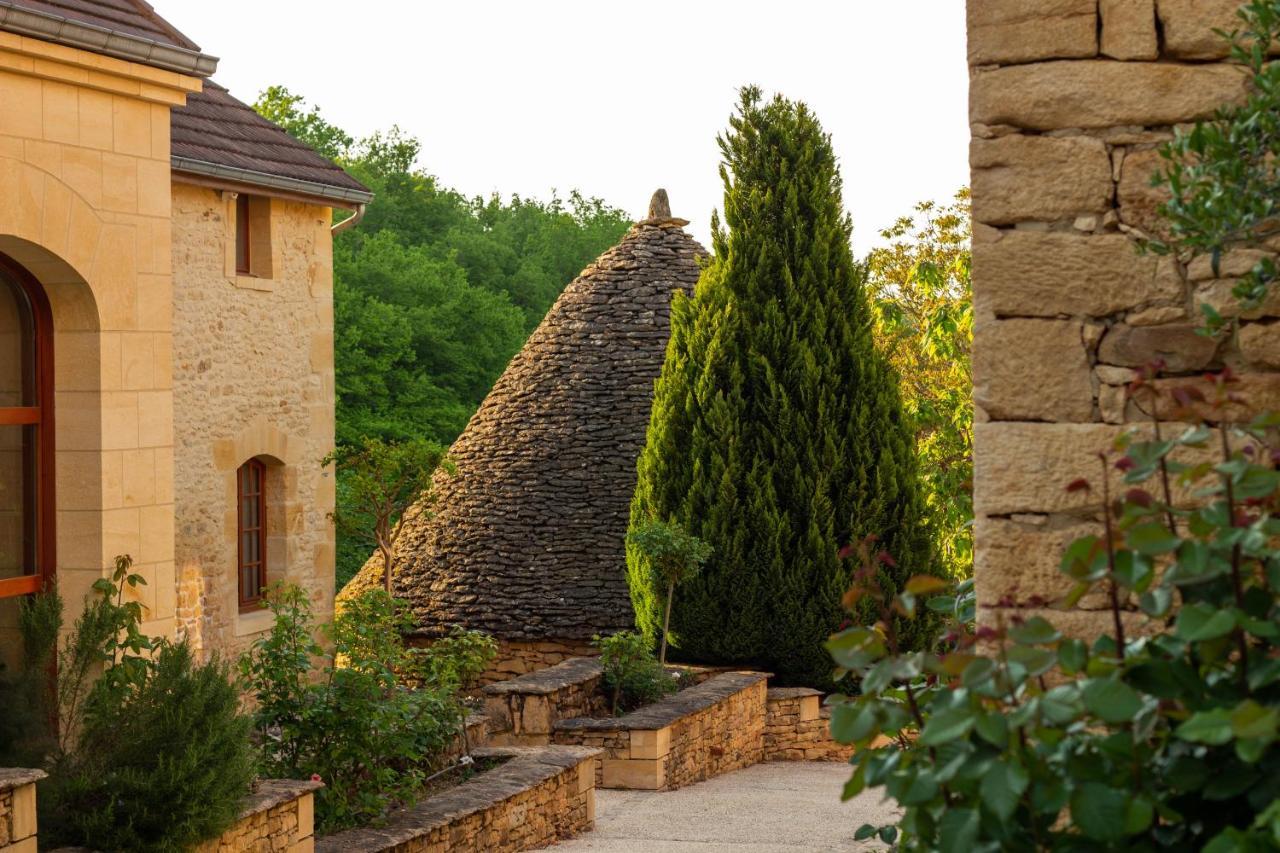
18	809
1069	102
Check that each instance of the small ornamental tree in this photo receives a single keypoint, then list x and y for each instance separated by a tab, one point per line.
381	481
777	431
674	557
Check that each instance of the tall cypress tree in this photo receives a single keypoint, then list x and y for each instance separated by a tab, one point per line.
777	432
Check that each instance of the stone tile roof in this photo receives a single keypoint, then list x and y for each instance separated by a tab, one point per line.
526	540
135	17
215	129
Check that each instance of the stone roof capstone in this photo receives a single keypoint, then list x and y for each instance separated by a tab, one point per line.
526	539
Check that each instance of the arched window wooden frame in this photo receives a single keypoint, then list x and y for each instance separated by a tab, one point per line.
251	534
40	555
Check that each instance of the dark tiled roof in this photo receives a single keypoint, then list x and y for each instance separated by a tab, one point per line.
134	17
526	539
216	130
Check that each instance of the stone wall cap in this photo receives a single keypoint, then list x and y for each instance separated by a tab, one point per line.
527	768
270	793
16	777
668	710
779	693
543	682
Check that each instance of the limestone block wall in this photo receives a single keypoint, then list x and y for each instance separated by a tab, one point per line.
517	657
84	207
253	378
1069	101
279	818
798	727
523	711
18	810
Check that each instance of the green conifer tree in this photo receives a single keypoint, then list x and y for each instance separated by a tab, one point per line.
777	433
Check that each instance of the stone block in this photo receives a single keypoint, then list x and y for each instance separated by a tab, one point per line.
1260	344
1025	178
1129	29
1138	200
306	815
535	715
1189	26
635	773
1044	274
1004	31
1178	345
1032	370
1218	295
22	820
650	744
26	845
810	708
1020	559
1101	93
1083	624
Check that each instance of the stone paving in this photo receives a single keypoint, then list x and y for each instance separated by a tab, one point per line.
778	807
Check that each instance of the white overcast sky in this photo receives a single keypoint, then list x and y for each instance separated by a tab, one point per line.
615	98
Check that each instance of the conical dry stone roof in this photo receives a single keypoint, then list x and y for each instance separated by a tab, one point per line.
526	539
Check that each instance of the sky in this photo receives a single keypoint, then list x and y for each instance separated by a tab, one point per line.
615	99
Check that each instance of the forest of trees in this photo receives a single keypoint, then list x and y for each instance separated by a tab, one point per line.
434	292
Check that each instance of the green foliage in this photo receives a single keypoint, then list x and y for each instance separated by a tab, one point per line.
673	557
1164	738
162	771
631	673
1223	176
380	482
924	323
354	721
433	292
150	752
777	428
457	661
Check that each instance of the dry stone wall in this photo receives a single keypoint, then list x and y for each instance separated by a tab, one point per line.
1069	102
279	818
523	711
798	727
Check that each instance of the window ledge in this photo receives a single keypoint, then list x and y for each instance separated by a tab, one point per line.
253	282
254	622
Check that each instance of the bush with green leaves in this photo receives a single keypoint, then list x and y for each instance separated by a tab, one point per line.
672	555
1161	735
150	752
369	720
632	675
457	660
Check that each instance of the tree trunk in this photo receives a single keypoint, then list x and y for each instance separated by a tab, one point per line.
666	623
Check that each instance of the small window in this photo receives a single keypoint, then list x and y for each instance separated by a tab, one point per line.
251	512
253	236
244	249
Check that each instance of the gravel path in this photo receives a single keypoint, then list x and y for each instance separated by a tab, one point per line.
781	806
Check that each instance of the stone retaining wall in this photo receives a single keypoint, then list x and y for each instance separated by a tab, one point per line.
712	728
1069	102
798	728
279	817
18	809
524	710
538	797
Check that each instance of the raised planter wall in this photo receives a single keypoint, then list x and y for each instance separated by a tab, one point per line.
702	731
523	711
541	795
279	816
798	728
18	809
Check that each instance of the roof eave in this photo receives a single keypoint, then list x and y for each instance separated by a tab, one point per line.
51	27
343	196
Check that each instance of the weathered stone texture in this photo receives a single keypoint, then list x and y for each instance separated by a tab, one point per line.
1007	31
798	727
1021	178
253	377
703	731
1101	93
1178	346
523	711
1129	29
1044	274
526	540
1020	563
1189	27
18	830
1138	200
1260	344
1032	370
279	818
538	797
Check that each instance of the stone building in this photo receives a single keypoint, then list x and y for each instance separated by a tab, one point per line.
526	539
166	364
1069	102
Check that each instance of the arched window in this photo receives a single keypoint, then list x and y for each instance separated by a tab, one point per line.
26	434
251	530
